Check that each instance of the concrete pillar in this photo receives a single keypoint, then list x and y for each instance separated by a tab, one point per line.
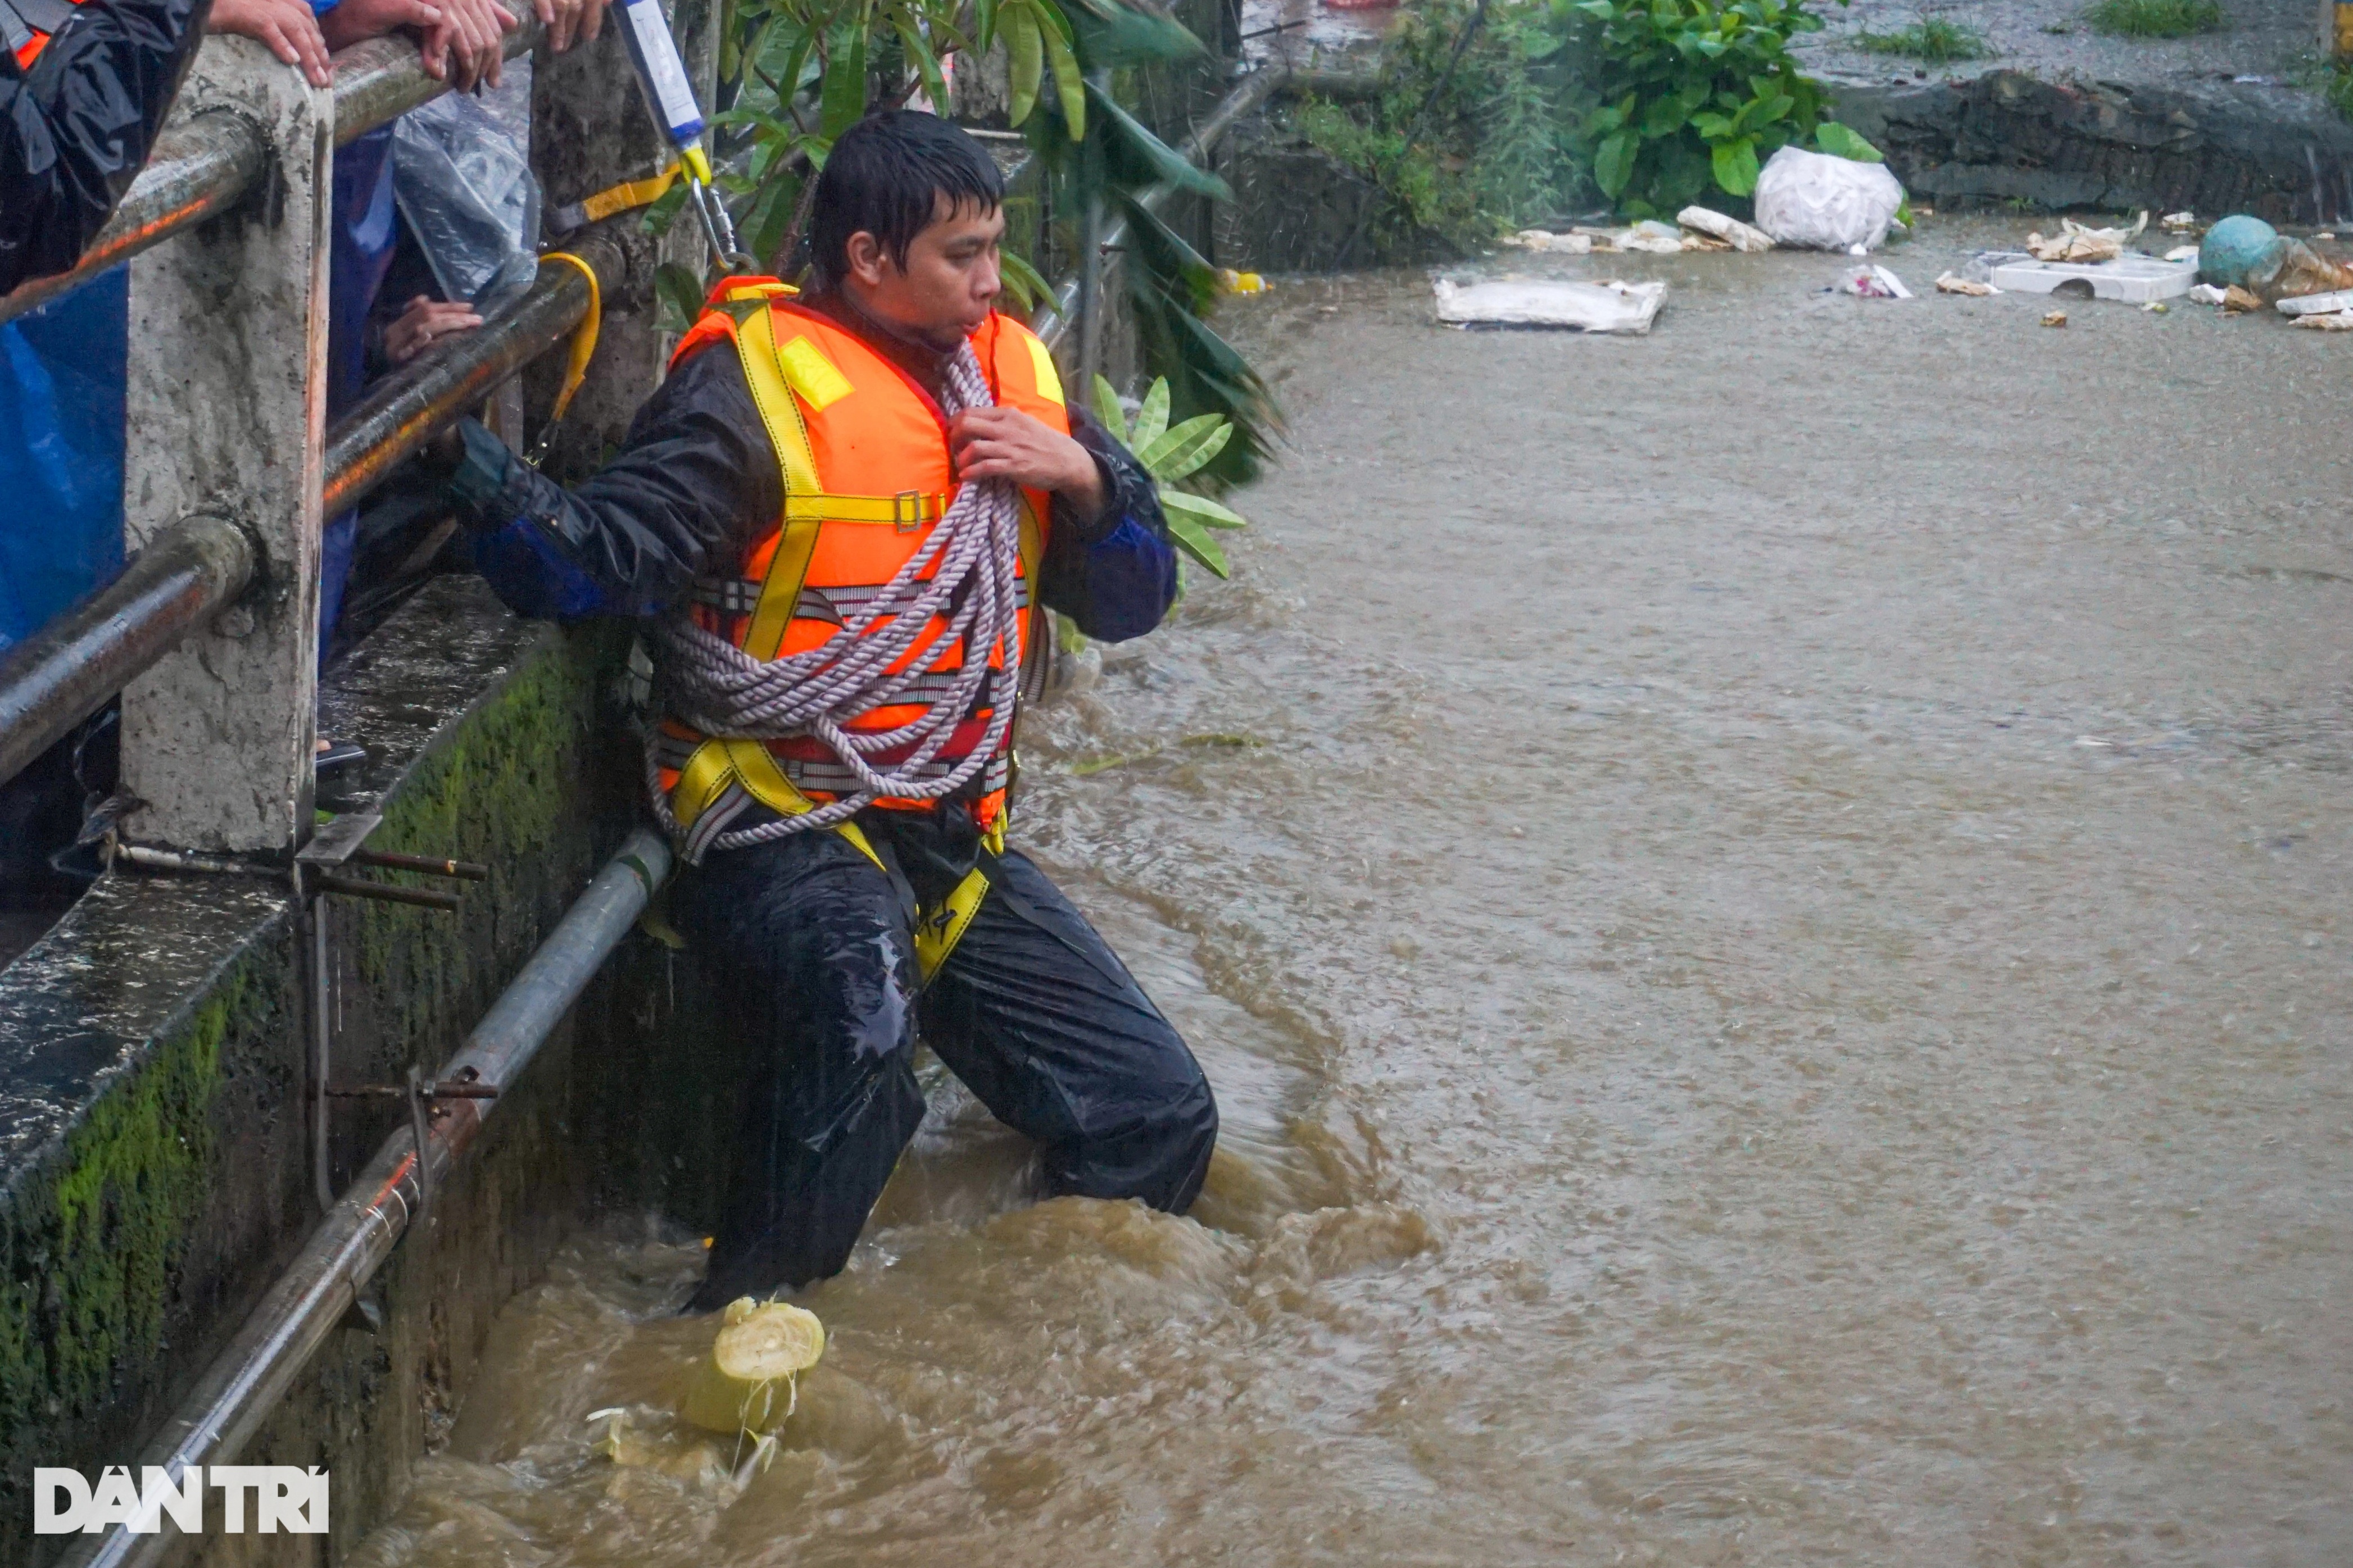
226	414
590	130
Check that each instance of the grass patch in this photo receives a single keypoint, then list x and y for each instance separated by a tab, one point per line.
2154	18
1934	40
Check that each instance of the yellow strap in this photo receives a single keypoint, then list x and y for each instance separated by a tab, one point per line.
584	340
938	930
720	762
755	346
907	510
629	194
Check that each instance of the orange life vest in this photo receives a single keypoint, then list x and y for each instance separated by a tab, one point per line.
867	476
27	26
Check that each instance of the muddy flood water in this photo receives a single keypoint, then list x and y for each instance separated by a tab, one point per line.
1767	908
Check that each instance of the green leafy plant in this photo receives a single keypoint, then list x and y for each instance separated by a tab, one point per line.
1469	135
1932	39
1170	453
1694	94
2154	18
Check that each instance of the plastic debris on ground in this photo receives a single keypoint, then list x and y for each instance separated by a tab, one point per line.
2237	301
2074	242
2248	253
1948	283
2328	304
1608	306
2178	223
2336	322
1234	282
2055	319
2133	278
1874	283
1731	230
2182	253
1813	201
1540	240
2208	294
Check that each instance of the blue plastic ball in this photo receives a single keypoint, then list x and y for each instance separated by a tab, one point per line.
2234	248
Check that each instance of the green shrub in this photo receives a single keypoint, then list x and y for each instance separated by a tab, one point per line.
1693	94
2154	18
1932	39
1470	134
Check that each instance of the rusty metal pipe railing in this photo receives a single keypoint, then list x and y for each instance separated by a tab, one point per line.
409	408
202	166
65	671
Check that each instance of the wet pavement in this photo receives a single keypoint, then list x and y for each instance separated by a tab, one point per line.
1767	909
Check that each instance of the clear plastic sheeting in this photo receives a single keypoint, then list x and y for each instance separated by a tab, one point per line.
1815	202
461	173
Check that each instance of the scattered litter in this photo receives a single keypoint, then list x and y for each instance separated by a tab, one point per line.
2340	322
1541	239
1651	235
2055	319
2324	234
1608	306
2074	242
2133	278
2206	294
2251	254
2153	307
2237	301
1817	202
1731	230
2326	304
2182	253
1234	282
1874	283
2175	223
1946	283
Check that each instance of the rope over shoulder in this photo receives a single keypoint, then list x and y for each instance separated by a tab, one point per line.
966	574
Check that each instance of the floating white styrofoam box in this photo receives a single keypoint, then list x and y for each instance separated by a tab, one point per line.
2133	278
1604	306
2328	304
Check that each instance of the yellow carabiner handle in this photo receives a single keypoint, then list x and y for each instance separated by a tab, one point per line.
584	340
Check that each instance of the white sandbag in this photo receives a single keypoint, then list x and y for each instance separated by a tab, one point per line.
1815	202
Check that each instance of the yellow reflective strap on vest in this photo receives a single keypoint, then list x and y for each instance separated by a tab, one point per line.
938	930
756	345
908	510
814	377
1041	365
704	779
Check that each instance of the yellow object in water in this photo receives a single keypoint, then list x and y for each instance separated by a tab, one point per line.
1235	282
748	1382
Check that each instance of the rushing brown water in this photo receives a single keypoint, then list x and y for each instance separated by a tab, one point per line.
1767	909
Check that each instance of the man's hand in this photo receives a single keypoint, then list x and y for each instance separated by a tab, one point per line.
468	44
356	21
1005	444
423	323
566	20
285	27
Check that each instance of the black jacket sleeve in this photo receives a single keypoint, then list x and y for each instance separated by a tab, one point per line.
682	499
75	131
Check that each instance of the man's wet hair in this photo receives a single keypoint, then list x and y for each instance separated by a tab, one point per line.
886	177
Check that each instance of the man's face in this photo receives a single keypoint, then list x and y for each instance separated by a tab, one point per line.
950	282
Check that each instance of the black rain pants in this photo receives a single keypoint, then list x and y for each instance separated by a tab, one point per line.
1031	1010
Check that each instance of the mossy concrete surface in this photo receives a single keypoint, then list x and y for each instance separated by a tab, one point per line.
155	1147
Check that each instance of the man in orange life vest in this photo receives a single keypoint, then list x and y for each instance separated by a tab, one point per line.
836	518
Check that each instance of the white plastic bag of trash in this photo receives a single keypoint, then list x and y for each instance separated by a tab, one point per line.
1608	306
1815	202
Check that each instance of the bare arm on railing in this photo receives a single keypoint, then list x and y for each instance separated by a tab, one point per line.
75	128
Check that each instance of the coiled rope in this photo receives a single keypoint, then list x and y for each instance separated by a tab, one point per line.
712	685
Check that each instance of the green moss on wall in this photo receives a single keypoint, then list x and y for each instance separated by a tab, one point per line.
506	790
90	1244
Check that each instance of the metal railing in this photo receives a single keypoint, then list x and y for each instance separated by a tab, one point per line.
203	167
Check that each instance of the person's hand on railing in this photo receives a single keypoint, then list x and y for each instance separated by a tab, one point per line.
425	322
287	28
566	20
468	44
356	21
